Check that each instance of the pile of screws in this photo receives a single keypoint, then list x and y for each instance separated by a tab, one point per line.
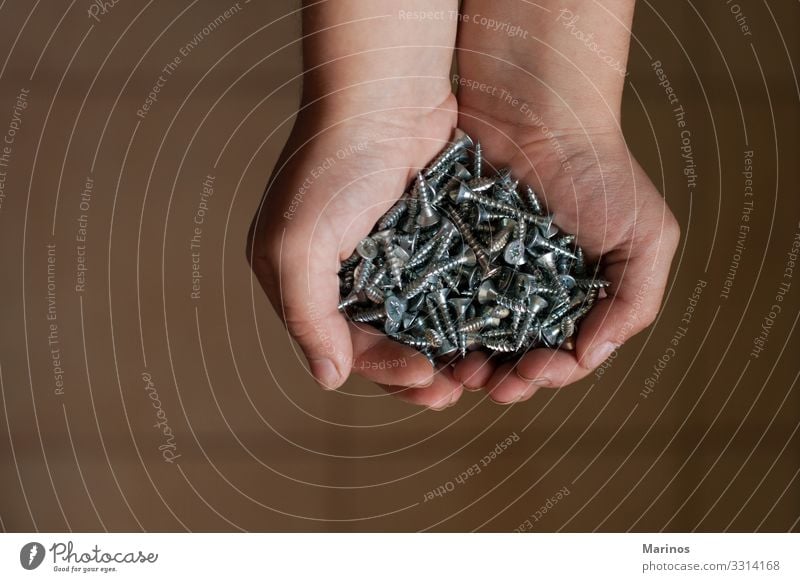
465	261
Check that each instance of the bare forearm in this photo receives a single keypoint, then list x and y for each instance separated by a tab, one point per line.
358	51
566	58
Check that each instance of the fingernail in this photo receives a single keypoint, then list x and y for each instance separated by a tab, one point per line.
540	381
423	384
325	373
529	391
520	397
599	354
453	398
439	405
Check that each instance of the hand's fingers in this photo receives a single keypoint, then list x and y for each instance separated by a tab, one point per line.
444	392
506	387
474	371
384	361
305	292
550	368
638	275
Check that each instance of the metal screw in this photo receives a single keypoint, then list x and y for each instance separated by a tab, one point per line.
423	287
461	141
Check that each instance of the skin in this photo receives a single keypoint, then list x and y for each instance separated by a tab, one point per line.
384	81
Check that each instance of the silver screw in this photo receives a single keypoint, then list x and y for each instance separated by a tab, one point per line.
461	141
422	287
427	216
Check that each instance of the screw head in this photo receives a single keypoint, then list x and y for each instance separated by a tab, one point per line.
383	237
401	254
416	302
481	183
461	195
537	304
524	283
446	348
548	230
409	318
567	281
469	257
547	260
483	215
395	308
391	327
460	171
367	248
461	305
440	295
514	253
433	338
500	312
486	292
551	335
427	216
460	137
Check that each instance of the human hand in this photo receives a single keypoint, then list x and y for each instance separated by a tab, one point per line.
376	107
551	112
605	199
339	173
618	217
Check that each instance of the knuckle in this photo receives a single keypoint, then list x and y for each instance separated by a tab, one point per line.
312	335
672	228
645	316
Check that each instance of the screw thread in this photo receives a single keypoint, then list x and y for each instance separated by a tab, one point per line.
436	321
369	315
447	322
478	323
497	333
499	242
469	237
527	326
592	283
424	251
534	205
351	299
395	265
419	343
477	160
513	304
374	294
558	249
365	269
391	217
448	155
499	345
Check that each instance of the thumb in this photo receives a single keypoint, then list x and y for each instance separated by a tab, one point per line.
638	278
304	292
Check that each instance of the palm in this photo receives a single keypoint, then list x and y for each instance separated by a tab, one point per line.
329	188
596	190
601	195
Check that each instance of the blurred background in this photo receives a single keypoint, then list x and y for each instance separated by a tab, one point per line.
137	395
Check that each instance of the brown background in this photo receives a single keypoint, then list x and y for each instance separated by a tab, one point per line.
714	447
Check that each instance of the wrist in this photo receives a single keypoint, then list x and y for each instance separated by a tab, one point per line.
378	95
559	63
360	55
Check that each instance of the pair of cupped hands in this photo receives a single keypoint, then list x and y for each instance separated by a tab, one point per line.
352	154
